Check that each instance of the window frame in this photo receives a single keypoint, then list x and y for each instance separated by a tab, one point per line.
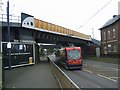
114	33
109	34
104	35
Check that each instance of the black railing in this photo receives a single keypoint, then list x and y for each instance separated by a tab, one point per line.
12	18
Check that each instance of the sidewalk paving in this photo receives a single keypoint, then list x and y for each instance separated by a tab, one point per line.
36	76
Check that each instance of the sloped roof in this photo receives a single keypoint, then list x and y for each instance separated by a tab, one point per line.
97	42
111	21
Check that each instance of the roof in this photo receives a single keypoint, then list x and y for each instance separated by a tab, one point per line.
97	42
111	21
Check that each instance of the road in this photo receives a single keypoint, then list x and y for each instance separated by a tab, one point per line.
95	75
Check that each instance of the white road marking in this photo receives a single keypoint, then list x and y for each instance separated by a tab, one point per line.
114	77
85	64
13	87
115	69
87	70
106	77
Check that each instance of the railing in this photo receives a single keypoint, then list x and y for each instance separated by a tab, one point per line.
12	18
64	81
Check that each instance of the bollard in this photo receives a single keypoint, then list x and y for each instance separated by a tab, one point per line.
30	60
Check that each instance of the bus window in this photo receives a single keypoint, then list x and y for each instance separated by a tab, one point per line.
73	54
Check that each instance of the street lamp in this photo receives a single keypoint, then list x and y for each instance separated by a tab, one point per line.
9	44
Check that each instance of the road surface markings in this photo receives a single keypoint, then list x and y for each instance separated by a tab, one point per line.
90	81
114	77
115	69
106	77
87	70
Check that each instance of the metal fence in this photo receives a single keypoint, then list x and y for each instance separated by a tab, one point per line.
12	18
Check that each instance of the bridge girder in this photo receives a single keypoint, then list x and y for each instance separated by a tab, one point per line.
40	36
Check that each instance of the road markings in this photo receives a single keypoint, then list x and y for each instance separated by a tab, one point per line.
106	77
90	82
13	87
114	77
115	69
87	70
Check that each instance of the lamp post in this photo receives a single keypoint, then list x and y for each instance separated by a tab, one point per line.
9	44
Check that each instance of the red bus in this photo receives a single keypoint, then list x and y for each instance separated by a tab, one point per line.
70	57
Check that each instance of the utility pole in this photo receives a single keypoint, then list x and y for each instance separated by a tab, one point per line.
119	8
9	44
1	51
93	32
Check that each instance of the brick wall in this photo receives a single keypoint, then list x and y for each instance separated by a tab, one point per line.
112	41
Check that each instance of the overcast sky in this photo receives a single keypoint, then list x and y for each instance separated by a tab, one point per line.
72	14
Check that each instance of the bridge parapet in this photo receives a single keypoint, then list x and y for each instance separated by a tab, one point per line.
29	21
59	29
43	25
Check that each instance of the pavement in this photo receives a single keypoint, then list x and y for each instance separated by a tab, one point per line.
35	76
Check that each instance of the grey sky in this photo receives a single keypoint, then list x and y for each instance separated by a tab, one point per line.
67	13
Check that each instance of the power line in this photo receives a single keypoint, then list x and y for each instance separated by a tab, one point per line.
95	14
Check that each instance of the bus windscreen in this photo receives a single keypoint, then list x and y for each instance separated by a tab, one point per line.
73	54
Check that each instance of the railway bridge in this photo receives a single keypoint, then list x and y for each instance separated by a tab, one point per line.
32	29
27	34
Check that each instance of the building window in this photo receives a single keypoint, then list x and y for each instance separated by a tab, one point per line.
109	48
114	48
104	35
105	49
108	35
114	33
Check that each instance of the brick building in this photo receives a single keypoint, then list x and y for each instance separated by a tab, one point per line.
110	37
